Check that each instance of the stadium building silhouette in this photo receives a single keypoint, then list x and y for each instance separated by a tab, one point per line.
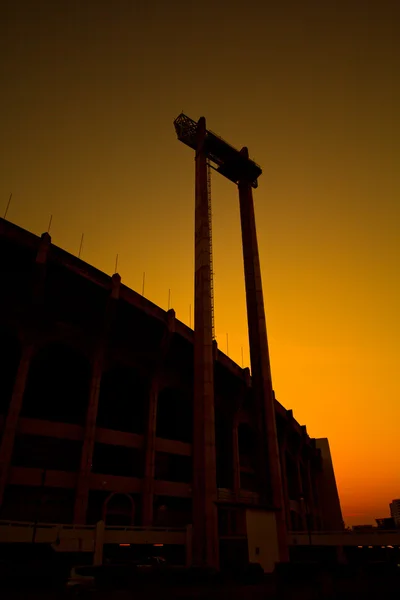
96	410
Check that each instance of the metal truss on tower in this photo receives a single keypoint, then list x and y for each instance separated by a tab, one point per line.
229	162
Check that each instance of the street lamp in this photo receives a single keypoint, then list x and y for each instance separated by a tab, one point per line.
304	504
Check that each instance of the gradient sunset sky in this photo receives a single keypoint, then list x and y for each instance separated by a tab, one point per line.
89	92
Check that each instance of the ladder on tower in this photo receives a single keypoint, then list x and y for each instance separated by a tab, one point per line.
210	246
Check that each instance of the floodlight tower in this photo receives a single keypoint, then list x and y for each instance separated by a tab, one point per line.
238	168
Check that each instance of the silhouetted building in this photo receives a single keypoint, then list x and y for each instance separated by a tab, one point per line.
395	511
329	491
96	409
386	523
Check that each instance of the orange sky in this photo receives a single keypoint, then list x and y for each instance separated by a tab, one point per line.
89	92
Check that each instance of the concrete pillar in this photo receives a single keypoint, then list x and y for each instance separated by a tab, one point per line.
205	525
39	278
310	494
82	488
302	503
99	543
150	453
189	545
236	458
285	486
270	471
10	427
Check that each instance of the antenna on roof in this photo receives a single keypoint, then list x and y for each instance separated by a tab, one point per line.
51	218
8	205
116	265
80	247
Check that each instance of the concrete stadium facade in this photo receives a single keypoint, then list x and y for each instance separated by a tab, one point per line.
96	410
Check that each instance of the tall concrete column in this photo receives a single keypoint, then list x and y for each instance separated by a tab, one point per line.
270	471
10	426
82	488
205	526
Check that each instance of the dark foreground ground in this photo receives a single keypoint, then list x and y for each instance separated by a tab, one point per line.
354	588
304	581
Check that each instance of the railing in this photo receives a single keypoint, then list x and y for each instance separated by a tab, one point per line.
137	528
349	533
379	537
83	536
243	496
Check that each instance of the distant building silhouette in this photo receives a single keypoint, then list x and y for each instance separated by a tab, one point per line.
395	511
386	523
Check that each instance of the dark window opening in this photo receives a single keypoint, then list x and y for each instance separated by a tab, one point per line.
173	467
133	328
17	267
304	482
123	401
174	415
117	460
42	452
179	360
171	511
293	520
224	452
58	386
42	504
292	478
248	481
72	298
247	446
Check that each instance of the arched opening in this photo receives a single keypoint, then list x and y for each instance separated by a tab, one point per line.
119	509
58	385
174	415
123	400
10	354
